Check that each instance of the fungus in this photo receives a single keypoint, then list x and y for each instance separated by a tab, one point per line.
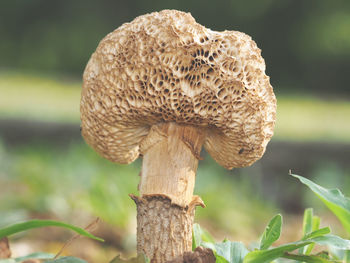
161	87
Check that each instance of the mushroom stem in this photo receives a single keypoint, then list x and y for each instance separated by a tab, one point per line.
165	210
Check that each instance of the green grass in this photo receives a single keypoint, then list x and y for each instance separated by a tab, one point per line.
301	250
308	118
44	179
39	97
44	98
47	180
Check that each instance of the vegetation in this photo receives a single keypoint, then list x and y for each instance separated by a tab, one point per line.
40	97
305	43
339	249
236	252
48	180
44	48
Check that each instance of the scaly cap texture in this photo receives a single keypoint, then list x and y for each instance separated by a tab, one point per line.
165	67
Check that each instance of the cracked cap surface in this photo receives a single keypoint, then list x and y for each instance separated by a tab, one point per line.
165	67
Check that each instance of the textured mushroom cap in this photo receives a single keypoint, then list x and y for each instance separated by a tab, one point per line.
165	67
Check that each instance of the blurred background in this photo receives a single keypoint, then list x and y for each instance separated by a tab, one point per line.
47	171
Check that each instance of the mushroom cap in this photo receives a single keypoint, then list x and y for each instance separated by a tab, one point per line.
165	67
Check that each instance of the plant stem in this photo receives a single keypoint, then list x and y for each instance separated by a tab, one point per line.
166	206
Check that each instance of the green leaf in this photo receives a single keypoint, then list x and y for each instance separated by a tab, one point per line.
315	226
37	255
315	232
19	227
220	259
199	235
319	232
66	260
232	252
337	253
307	227
315	223
272	232
307	222
324	254
333	199
261	256
331	240
308	259
196	236
347	256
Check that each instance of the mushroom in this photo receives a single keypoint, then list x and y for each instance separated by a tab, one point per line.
161	87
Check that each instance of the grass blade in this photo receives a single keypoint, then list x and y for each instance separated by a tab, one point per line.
308	259
36	255
307	222
66	260
19	227
307	227
316	221
315	226
262	256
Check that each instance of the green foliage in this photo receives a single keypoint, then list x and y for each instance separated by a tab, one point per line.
236	252
272	232
313	115
44	256
61	180
317	233
37	255
237	201
261	256
45	98
305	43
228	251
51	98
66	260
19	227
333	199
200	235
307	222
322	258
311	223
58	181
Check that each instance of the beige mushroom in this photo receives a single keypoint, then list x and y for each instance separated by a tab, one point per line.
161	87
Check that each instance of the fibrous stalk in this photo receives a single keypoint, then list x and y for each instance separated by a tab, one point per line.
166	206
